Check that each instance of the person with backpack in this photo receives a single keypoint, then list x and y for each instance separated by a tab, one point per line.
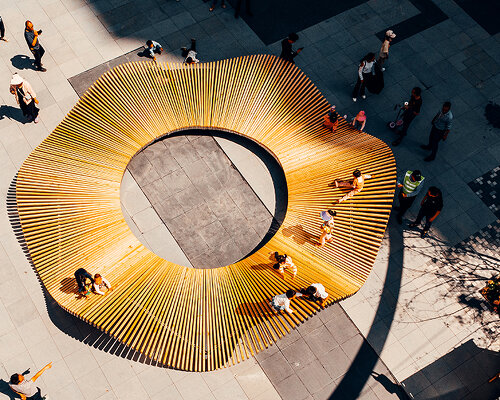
410	183
365	73
430	208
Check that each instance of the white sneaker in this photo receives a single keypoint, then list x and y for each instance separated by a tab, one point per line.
36	120
363	97
383	69
354	99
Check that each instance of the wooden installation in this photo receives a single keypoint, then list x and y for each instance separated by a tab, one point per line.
68	196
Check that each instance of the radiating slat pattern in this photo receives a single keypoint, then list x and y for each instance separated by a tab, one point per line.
68	194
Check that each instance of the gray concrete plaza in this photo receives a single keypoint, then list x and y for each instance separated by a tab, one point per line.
418	327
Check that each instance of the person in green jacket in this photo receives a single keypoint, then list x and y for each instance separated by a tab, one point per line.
410	183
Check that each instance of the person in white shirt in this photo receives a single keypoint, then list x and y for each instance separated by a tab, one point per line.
190	55
365	73
26	388
284	262
101	285
315	292
152	48
281	302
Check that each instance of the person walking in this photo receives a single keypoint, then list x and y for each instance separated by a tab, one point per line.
26	388
81	276
281	302
2	30
25	97
287	52
356	184
190	55
284	262
359	121
384	50
153	48
327	227
101	285
441	125
430	208
411	110
315	292
331	120
411	183
365	73
31	36
214	3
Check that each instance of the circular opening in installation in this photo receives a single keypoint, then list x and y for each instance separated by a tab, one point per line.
204	198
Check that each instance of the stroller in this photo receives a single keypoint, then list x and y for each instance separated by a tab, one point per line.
398	121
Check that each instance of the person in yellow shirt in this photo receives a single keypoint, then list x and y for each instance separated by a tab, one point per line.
356	184
327	227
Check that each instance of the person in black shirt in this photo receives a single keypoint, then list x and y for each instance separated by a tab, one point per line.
31	36
287	53
430	208
412	109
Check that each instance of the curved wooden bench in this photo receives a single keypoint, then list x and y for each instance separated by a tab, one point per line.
68	195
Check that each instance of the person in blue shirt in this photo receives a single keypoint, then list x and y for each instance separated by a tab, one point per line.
153	47
441	125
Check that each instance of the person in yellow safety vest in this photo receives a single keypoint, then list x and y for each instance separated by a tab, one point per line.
410	183
327	228
356	184
284	262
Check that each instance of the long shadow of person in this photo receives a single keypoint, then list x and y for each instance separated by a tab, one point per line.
6	390
389	385
299	235
12	113
22	62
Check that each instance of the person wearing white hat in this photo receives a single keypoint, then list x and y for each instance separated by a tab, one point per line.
384	50
25	97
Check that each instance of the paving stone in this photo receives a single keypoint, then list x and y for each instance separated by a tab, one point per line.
292	388
276	368
298	354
